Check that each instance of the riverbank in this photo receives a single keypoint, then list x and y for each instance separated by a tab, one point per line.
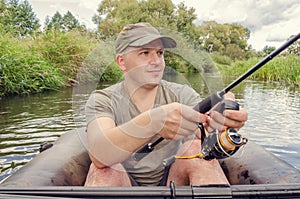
50	61
46	61
282	69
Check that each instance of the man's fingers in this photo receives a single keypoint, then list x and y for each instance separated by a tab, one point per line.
240	115
192	115
229	95
213	124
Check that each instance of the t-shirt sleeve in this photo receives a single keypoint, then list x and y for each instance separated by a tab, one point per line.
98	105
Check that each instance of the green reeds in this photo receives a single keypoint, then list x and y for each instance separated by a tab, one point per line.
283	69
46	62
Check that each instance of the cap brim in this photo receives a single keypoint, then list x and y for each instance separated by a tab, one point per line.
168	42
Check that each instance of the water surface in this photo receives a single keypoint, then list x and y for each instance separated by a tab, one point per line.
28	121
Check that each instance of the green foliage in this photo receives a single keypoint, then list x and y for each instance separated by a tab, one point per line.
48	62
221	59
267	50
227	39
234	52
18	18
294	49
163	14
65	51
23	70
285	69
114	14
62	23
99	65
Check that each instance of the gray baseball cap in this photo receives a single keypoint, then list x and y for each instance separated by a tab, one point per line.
139	34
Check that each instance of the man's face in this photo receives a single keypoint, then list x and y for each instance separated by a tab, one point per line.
144	65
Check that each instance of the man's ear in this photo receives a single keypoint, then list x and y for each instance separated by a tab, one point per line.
121	62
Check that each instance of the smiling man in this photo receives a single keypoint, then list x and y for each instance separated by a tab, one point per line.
124	117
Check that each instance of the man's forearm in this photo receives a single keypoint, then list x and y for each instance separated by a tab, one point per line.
114	144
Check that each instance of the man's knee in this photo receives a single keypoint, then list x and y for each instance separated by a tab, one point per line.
190	147
108	176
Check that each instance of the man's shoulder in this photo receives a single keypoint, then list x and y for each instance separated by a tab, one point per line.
110	90
182	92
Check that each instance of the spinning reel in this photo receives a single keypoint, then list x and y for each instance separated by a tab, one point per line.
222	144
218	144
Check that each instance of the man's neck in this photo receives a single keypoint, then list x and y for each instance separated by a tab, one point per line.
143	96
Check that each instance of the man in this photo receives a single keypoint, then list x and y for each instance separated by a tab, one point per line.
124	117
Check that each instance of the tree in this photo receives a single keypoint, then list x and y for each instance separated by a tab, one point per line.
2	7
184	18
55	22
18	18
114	14
2	14
69	22
267	50
62	23
227	39
294	49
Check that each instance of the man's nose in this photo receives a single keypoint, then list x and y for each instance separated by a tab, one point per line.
155	59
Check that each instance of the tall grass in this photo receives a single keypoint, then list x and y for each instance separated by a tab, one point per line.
48	61
24	70
283	69
51	60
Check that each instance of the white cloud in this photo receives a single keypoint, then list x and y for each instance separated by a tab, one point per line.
82	10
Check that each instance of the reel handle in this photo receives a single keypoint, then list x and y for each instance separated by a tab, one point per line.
223	105
227	104
206	104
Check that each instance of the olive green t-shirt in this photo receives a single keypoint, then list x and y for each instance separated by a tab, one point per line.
115	103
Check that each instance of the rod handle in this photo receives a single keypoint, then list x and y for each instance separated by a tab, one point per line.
206	104
146	149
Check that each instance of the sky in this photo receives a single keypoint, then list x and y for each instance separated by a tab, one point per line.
271	22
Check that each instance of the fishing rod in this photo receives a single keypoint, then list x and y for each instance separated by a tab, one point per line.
205	105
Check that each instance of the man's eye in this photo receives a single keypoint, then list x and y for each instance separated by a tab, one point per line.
160	53
144	52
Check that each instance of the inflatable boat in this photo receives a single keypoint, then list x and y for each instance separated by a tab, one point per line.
60	172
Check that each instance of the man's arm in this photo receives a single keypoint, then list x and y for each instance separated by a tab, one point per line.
109	144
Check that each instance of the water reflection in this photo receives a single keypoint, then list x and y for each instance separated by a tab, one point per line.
274	115
28	121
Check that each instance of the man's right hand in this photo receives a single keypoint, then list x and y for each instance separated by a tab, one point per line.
176	121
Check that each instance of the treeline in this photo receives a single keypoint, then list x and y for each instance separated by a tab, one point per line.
34	59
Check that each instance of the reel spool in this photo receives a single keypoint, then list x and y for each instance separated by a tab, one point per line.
222	144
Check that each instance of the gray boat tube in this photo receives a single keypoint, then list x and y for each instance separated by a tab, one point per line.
67	162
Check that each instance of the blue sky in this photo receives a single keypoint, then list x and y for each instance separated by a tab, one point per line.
271	22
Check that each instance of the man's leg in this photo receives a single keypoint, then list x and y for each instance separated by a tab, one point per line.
108	176
195	171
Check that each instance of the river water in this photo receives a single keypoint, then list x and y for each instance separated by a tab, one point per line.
28	121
